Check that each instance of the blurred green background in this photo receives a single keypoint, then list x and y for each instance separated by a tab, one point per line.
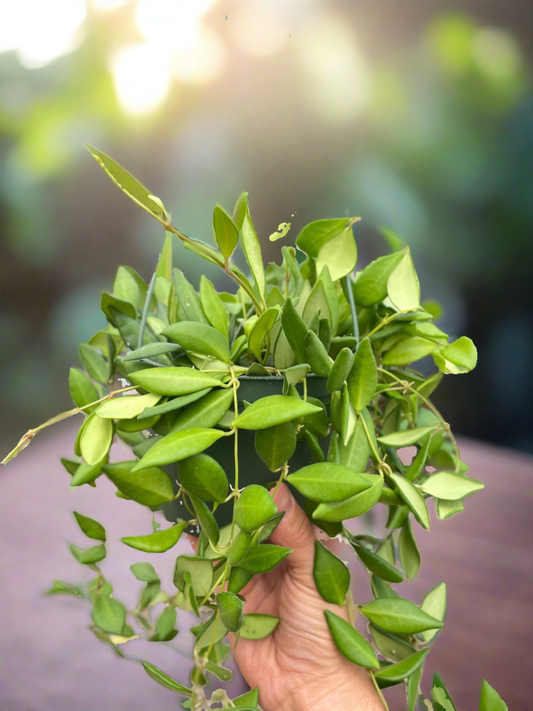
417	116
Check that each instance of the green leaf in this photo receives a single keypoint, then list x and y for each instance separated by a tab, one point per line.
459	357
171	405
165	631
273	410
490	700
177	446
399	616
90	555
363	378
413	688
157	542
258	626
434	604
150	487
441	695
317	234
316	355
173	381
263	558
294	329
356	451
327	482
419	462
317	301
94	363
213	633
90	527
413	498
206	519
269	527
252	252
260	330
408	550
126	407
403	287
199	338
126	288
130	185
445	509
352	507
404	669
351	643
151	350
213	307
339	254
82	390
203	477
254	508
189	305
230	610
201	572
450	486
405	438
408	350
340	370
145	572
389	645
250	699
332	577
96	439
371	286
276	445
219	671
378	565
226	232
108	614
206	412
87	473
61	588
238	579
164	265
111	304
165	680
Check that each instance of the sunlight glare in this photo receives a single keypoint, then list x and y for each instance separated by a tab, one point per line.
40	31
258	31
142	78
172	25
202	63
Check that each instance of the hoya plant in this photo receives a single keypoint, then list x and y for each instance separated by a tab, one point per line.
305	375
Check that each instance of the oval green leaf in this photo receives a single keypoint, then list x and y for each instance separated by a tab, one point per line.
150	487
254	507
450	486
352	507
378	565
230	610
203	477
165	680
402	670
258	626
199	338
350	643
405	438
340	370
263	558
363	378
90	527
206	412
273	410
332	577
399	616
328	482
413	498
173	381
96	439
177	446
126	407
157	542
276	445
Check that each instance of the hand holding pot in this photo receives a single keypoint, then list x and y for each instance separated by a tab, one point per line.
298	667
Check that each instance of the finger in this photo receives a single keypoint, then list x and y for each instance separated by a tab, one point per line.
294	531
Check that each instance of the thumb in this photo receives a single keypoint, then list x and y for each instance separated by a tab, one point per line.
294	531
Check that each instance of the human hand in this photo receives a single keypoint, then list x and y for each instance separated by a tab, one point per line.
298	667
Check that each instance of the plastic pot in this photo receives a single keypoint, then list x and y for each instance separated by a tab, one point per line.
252	469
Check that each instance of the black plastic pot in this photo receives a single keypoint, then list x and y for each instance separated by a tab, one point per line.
252	469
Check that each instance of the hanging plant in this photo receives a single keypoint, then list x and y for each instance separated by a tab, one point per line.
303	375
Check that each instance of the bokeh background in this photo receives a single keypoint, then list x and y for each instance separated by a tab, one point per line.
416	115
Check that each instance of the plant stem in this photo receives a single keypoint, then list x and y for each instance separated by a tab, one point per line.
213	256
30	434
355	323
146	309
385	322
432	407
380	693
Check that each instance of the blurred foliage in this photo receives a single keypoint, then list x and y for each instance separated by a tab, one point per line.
432	138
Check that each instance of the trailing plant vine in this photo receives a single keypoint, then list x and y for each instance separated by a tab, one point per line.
305	373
